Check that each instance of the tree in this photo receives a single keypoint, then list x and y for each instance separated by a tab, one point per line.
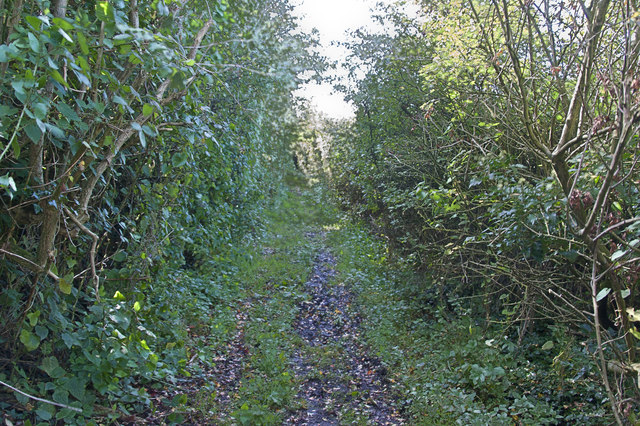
519	188
136	138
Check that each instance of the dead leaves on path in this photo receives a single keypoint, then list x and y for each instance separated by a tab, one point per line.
353	382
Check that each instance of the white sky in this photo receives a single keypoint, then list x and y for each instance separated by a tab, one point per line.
332	18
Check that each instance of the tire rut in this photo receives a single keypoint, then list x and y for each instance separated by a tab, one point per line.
346	379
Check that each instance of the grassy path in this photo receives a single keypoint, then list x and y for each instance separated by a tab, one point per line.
341	381
322	329
297	348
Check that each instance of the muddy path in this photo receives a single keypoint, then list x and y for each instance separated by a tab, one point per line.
340	381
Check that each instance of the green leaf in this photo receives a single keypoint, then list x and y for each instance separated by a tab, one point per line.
137	306
62	23
76	387
18	89
64	35
41	332
82	41
143	138
618	254
177	80
633	315
49	365
61	396
16	148
34	22
121	319
8	52
119	100
625	293
602	294
65	285
180	399
572	255
179	159
34	43
40	110
70	340
82	78
6	110
147	110
67	111
547	346
55	131
104	11
119	296
82	62
52	64
120	256
33	318
58	77
175	418
7	181
475	182
29	340
45	412
33	131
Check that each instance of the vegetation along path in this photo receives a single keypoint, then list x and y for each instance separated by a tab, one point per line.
163	260
304	359
334	332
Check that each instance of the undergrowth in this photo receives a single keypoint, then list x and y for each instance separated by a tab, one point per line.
446	364
452	367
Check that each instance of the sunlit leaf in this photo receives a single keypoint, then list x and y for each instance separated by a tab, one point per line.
104	11
65	285
602	294
147	110
29	340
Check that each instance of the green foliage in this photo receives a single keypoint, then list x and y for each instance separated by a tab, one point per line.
449	367
471	151
139	142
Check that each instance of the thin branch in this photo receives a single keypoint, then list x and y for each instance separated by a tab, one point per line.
92	253
600	350
46	401
617	225
28	263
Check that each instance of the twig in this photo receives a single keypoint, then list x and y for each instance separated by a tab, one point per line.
617	225
600	351
46	401
92	253
28	263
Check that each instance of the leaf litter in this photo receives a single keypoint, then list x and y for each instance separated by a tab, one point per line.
347	380
340	381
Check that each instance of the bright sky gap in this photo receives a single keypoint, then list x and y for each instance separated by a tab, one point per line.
334	19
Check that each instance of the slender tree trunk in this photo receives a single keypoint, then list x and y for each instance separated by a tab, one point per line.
60	8
134	19
51	209
13	18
